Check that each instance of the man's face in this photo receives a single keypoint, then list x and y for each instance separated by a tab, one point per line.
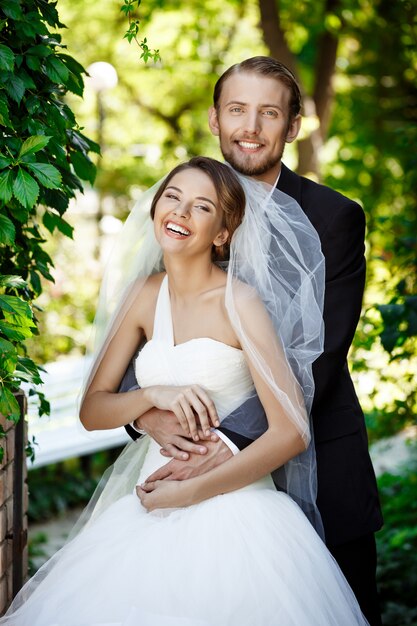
253	125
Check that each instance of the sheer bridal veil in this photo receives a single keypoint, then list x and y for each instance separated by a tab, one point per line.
274	299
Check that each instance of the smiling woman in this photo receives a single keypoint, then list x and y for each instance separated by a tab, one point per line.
208	190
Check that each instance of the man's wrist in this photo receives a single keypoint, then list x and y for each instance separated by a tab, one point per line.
229	443
136	425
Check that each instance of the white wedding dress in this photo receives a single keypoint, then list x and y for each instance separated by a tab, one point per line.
247	558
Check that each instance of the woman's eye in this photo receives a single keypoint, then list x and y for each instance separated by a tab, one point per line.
172	196
202	207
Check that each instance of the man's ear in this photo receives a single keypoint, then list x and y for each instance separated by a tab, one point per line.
213	121
293	129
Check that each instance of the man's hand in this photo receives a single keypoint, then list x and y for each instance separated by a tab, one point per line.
164	427
217	453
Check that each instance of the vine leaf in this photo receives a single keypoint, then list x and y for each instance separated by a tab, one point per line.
46	174
9	405
6	186
25	189
7	230
6	58
33	144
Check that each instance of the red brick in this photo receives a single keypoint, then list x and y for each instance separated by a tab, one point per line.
9	509
10	438
3	523
3	557
3	595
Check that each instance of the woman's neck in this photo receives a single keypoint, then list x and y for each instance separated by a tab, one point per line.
190	277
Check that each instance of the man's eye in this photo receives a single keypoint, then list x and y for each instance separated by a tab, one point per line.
270	113
236	109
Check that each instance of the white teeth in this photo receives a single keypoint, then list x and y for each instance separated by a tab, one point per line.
177	229
250	146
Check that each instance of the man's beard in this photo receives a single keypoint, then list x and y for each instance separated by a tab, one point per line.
245	166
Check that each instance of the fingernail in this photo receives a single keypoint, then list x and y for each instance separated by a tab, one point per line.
202	450
217	423
195	437
184	456
207	433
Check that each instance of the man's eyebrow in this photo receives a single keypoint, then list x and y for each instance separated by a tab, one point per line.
262	106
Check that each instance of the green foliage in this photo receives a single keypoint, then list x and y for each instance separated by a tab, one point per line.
397	548
133	31
58	487
39	142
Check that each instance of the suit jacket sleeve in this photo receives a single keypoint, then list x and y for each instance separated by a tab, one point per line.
343	247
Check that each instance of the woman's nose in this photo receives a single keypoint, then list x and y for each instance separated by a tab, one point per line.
182	210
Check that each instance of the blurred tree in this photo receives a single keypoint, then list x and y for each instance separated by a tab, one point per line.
356	61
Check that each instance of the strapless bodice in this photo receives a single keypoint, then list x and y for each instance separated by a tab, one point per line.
217	367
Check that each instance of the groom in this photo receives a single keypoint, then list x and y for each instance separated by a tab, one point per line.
256	111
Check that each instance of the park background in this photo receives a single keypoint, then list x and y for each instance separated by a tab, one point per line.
356	61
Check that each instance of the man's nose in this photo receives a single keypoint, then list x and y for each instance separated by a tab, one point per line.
252	122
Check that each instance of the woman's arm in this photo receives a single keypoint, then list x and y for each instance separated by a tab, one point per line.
102	407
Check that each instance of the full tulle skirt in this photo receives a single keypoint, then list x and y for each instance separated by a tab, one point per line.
247	558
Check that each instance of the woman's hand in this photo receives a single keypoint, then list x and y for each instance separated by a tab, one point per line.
191	405
165	494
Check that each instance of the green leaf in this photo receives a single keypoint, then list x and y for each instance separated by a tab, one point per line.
16	306
12	9
40	51
25	189
33	62
34	144
52	221
6	186
8	357
26	367
35	282
56	70
83	166
9	406
4	114
5	161
7	230
10	280
15	87
14	332
46	174
6	58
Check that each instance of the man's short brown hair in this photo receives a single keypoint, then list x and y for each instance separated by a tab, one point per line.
263	66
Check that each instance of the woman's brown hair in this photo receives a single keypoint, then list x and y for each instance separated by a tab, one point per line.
229	192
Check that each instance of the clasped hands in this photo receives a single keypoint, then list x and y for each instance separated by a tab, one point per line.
182	417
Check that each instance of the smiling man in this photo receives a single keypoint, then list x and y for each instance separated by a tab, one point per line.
255	112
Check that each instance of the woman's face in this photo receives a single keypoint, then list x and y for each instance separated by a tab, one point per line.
188	219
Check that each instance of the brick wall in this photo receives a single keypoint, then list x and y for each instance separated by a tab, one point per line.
13	509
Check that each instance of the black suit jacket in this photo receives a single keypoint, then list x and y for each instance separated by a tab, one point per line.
347	492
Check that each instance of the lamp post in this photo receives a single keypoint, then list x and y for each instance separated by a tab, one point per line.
102	77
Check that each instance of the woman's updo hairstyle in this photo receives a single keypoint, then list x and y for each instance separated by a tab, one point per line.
229	192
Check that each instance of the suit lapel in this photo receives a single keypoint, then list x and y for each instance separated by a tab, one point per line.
290	183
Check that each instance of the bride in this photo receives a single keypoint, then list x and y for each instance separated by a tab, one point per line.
227	547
